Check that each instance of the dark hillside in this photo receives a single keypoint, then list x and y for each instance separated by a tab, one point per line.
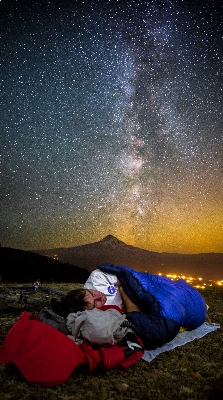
207	265
24	266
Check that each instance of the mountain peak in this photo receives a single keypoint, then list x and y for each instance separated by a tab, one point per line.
110	239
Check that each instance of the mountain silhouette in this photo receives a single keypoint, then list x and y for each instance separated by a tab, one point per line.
113	250
24	266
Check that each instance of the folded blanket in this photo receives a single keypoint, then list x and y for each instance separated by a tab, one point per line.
99	327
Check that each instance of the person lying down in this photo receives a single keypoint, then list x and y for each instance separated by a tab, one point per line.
155	306
82	314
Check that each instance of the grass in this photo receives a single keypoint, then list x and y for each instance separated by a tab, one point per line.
193	371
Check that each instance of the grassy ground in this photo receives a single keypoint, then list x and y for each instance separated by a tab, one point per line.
193	371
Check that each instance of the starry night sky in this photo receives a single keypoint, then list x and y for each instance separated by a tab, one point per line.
112	123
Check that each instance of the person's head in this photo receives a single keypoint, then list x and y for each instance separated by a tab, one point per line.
83	299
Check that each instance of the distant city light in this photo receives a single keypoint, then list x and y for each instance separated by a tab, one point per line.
192	280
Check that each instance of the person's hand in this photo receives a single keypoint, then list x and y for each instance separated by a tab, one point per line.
129	306
118	283
121	290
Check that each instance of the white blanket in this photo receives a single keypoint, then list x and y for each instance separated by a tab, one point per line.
99	327
181	339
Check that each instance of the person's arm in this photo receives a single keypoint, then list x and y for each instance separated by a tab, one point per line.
129	305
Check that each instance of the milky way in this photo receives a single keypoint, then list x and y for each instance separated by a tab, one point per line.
112	123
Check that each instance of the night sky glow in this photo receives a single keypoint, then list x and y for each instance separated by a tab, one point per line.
112	123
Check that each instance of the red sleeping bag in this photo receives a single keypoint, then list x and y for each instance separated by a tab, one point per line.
46	356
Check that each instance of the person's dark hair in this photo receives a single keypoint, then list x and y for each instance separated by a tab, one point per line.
74	301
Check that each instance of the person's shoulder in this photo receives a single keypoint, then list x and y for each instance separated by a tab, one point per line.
95	278
98	276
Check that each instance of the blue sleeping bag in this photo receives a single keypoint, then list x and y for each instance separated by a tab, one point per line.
173	299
